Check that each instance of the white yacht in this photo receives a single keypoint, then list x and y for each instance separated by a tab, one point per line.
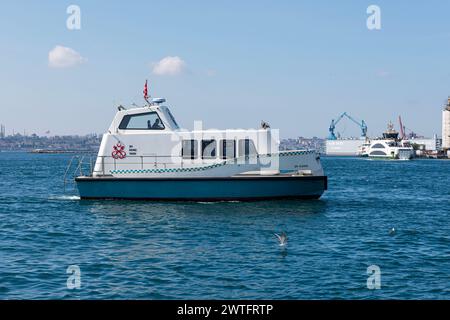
388	147
146	155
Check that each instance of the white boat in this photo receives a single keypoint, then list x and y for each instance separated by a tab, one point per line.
363	150
146	155
388	147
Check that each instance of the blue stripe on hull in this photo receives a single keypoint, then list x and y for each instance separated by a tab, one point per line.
202	189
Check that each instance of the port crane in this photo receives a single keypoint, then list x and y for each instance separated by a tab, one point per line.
362	125
403	134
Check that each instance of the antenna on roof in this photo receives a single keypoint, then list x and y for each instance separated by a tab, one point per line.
158	101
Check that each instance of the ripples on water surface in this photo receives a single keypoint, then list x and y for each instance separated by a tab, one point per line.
227	250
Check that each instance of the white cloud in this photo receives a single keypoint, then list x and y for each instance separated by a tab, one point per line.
169	66
64	57
383	73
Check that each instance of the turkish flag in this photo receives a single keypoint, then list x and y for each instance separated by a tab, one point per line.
145	90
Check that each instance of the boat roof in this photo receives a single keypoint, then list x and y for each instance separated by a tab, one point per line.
168	120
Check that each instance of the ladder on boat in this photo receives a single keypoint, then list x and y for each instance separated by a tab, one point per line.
78	164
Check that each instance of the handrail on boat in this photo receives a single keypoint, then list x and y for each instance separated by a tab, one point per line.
158	161
104	162
78	168
67	171
155	161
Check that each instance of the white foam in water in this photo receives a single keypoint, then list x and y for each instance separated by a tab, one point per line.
215	202
64	197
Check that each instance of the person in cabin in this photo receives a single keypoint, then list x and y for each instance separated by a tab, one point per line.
149	124
157	124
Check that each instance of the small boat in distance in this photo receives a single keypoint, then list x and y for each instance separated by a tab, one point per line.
387	147
146	155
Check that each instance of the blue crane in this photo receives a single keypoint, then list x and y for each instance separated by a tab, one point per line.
333	124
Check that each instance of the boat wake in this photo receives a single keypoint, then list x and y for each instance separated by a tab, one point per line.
216	202
64	197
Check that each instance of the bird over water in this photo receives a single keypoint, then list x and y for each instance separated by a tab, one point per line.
281	238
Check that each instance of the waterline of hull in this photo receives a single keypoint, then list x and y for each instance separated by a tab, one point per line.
203	189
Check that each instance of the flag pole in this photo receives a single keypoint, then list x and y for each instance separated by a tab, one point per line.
145	92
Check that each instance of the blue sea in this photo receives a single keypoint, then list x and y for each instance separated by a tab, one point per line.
394	215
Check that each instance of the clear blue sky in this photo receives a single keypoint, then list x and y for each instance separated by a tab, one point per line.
295	64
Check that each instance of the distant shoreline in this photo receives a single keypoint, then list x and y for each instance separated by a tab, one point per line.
48	151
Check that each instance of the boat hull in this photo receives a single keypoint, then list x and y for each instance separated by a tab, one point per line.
203	189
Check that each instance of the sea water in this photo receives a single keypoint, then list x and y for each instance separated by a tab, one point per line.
381	231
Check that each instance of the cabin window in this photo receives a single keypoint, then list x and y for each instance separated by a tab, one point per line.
209	149
377	153
378	146
172	118
228	149
247	147
189	149
142	121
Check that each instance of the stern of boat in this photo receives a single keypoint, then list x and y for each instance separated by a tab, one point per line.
305	162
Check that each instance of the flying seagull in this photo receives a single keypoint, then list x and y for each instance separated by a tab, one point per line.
282	238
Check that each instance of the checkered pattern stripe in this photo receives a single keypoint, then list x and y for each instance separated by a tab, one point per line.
197	169
295	153
192	169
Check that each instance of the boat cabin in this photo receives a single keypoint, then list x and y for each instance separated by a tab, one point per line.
150	137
